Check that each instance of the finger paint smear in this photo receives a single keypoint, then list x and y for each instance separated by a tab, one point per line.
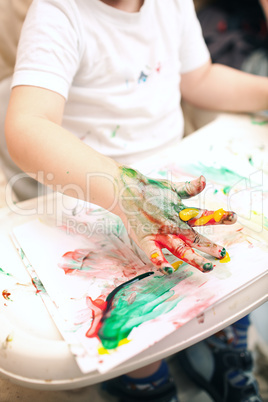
137	304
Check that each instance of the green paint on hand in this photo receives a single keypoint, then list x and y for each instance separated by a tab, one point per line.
132	173
158	183
169	270
223	252
208	266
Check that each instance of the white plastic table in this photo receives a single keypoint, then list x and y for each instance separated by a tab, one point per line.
32	352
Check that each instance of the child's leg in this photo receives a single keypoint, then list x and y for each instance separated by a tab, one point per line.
151	383
222	364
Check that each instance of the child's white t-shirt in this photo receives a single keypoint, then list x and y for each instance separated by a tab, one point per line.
119	71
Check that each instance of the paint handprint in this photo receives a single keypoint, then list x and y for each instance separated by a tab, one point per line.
156	218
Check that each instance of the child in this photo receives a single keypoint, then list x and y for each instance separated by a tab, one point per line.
97	85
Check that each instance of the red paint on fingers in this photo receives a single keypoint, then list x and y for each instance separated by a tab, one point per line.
178	247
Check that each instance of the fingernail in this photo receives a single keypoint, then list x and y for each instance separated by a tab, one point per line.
169	270
208	266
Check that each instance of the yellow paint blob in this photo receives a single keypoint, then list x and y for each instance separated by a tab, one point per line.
187	214
9	338
123	342
103	351
177	264
154	255
203	220
217	216
226	258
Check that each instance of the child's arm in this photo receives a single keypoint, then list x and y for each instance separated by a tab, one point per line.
37	143
218	87
150	209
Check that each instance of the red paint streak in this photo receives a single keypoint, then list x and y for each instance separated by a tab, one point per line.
68	270
192	257
202	284
37	290
196	310
6	294
160	259
97	307
76	255
158	68
129	272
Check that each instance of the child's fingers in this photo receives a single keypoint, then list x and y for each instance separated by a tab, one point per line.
193	240
190	188
202	217
154	252
181	250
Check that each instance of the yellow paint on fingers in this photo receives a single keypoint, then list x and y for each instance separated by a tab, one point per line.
154	255
203	220
188	213
217	216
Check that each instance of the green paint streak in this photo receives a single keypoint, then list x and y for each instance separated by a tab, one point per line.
220	175
159	183
162	201
152	298
132	173
250	160
22	255
259	122
114	131
39	286
4	273
215	191
227	189
179	207
162	173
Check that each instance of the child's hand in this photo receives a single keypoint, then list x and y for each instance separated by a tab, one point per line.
156	218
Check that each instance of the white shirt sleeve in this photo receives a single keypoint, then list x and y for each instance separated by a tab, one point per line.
193	52
50	47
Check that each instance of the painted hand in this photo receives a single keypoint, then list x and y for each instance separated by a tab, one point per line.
156	218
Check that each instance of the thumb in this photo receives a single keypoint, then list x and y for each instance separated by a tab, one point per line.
190	188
